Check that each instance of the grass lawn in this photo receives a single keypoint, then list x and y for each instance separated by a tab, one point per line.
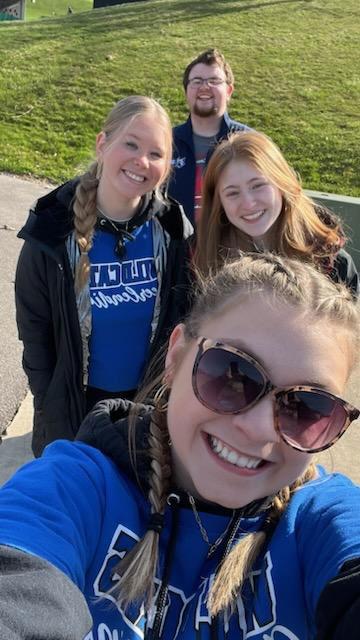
296	64
35	10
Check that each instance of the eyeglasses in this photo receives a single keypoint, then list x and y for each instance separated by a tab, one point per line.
229	381
211	82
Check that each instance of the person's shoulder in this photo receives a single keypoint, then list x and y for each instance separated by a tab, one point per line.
346	271
325	516
344	258
77	468
174	220
330	497
76	458
67	475
171	215
327	483
61	196
232	125
183	132
182	126
50	218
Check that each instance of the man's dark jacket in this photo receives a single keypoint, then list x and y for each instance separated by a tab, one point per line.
47	314
182	181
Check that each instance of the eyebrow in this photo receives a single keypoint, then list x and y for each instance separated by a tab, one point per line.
236	186
230	186
208	78
134	135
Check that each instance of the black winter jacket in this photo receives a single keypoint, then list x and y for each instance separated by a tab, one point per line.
343	270
47	316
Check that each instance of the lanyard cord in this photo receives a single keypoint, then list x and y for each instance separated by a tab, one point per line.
160	604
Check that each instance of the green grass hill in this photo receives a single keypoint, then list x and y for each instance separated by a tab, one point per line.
38	9
296	64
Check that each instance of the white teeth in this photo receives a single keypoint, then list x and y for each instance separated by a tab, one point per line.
217	446
223	453
133	176
231	456
253	216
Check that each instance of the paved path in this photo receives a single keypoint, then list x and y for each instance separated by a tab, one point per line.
16	195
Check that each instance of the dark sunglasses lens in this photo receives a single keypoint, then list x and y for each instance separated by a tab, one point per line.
309	419
227	383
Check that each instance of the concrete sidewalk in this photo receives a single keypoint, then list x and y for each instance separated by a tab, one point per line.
16	196
15	449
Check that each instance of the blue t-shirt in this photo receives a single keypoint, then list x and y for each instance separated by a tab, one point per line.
75	509
122	294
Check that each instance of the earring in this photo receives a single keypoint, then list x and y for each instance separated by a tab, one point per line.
160	399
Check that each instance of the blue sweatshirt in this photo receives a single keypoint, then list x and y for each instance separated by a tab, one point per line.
75	509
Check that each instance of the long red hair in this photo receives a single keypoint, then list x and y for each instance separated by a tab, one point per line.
303	229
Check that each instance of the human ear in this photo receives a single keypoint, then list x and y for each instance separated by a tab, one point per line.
176	347
229	91
100	142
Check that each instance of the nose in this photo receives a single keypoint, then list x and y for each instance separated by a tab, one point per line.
247	200
142	161
258	422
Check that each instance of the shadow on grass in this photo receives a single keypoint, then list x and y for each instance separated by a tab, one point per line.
101	22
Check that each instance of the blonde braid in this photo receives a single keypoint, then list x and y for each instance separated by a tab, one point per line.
233	572
138	568
84	207
237	565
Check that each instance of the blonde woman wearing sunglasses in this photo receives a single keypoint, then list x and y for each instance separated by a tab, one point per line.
202	514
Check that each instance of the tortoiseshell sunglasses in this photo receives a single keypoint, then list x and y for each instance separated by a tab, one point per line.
229	381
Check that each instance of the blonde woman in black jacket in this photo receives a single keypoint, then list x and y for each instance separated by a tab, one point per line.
103	273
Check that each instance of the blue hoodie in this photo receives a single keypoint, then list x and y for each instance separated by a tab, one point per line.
77	510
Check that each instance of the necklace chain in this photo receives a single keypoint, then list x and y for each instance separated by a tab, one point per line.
112	222
212	545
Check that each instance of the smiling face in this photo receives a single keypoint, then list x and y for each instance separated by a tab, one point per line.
204	100
250	201
134	161
232	460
